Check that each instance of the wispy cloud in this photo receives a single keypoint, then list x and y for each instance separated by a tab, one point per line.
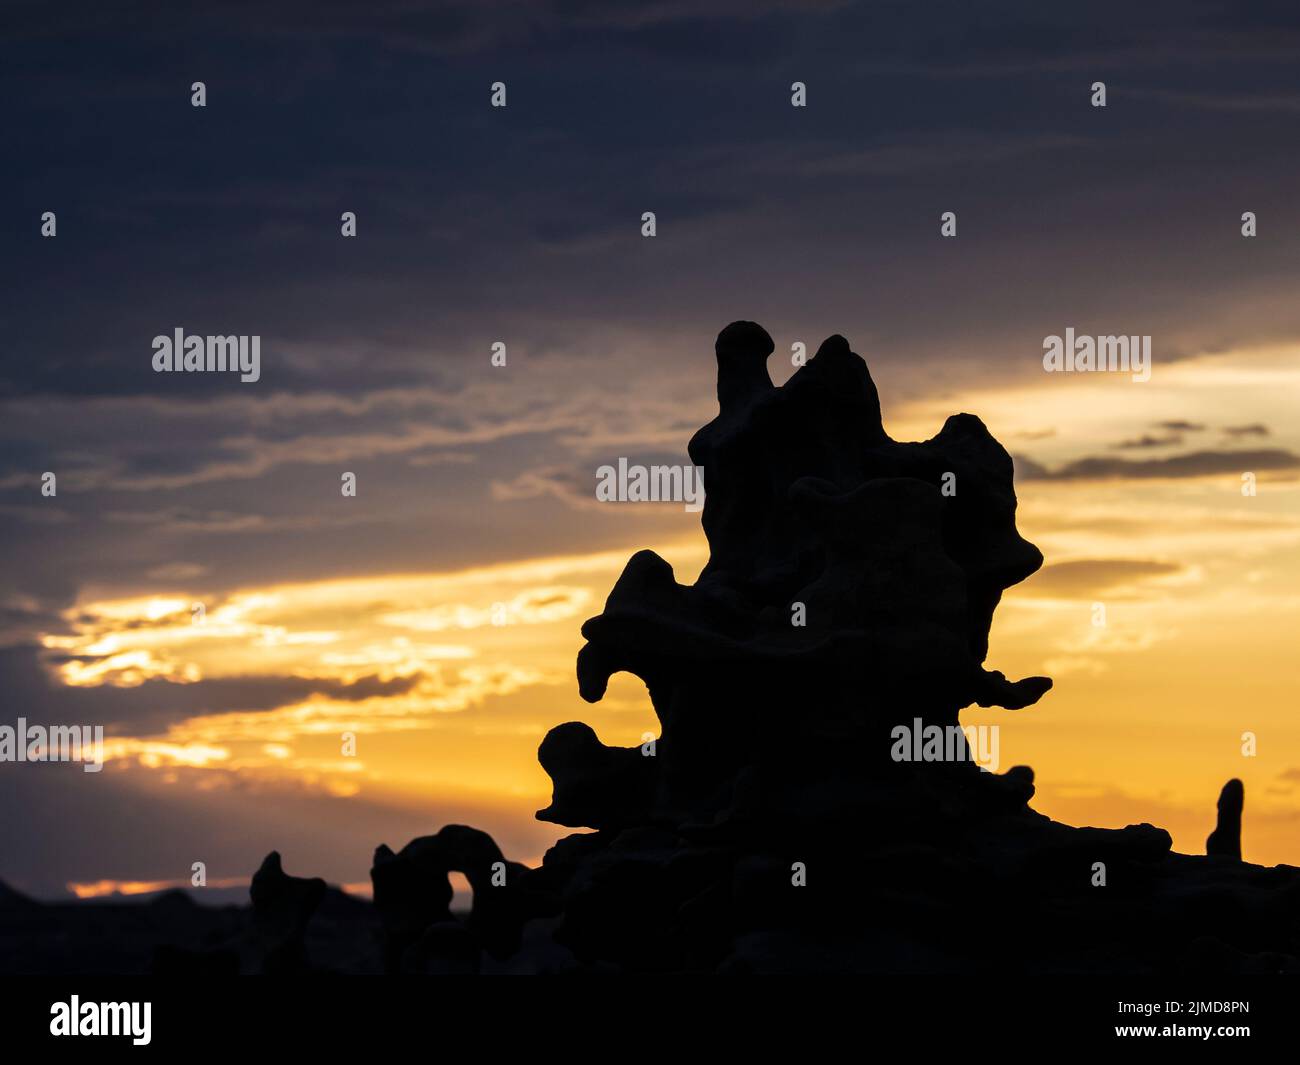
1193	464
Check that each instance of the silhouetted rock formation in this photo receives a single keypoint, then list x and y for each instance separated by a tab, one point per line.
1225	840
282	906
775	824
849	593
413	898
845	594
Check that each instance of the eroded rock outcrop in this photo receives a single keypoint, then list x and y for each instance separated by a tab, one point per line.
850	590
1225	840
413	894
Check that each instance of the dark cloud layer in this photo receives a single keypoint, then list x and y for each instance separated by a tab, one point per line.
1086	577
1147	440
477	223
152	705
1192	464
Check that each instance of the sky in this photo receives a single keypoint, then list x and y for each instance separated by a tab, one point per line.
435	614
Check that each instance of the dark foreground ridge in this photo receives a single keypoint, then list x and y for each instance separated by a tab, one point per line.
850	590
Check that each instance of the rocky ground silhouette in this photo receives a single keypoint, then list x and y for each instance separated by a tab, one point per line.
850	590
